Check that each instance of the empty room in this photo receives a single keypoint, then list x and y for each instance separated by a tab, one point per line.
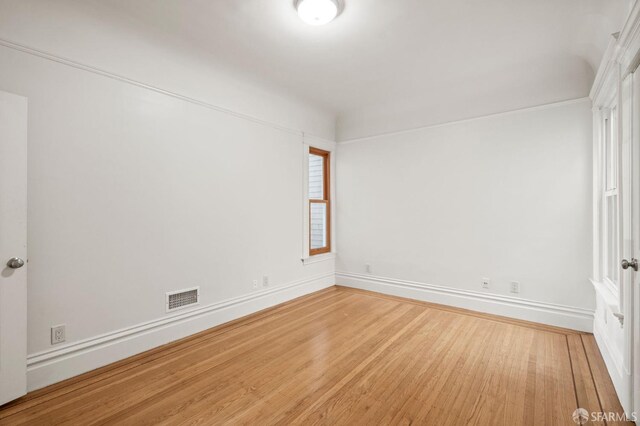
340	212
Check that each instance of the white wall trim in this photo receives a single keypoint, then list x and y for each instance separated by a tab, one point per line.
612	359
621	58
465	120
98	71
603	88
316	142
611	299
546	313
629	41
310	260
63	362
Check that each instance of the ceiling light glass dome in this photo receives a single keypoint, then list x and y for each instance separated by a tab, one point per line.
317	12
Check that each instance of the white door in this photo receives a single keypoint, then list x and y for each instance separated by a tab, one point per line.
13	244
630	174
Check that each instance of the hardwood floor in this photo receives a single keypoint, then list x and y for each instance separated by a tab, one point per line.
342	356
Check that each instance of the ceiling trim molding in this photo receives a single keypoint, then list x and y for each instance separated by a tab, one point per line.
84	67
607	75
629	41
621	58
464	120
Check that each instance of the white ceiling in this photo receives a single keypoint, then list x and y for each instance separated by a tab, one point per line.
384	65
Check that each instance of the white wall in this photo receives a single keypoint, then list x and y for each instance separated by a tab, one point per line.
133	193
507	197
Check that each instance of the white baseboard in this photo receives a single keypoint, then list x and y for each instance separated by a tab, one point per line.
545	313
60	363
613	360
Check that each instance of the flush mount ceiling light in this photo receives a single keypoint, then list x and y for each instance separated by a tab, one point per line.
317	12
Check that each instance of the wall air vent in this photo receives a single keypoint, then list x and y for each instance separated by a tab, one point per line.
182	298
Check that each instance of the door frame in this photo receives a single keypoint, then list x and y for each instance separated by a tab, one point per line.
619	341
634	245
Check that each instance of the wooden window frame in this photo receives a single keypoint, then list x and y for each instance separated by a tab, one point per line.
326	199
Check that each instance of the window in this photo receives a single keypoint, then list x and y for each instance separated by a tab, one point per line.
319	202
610	225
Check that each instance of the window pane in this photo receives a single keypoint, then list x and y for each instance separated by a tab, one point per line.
316	180
610	150
611	238
318	225
607	152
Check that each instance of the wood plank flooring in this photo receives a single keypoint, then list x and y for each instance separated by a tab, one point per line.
342	356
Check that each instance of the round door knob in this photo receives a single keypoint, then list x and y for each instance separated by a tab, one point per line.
15	263
626	264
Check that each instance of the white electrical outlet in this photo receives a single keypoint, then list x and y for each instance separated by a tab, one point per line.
58	334
255	284
367	268
515	287
485	283
265	281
